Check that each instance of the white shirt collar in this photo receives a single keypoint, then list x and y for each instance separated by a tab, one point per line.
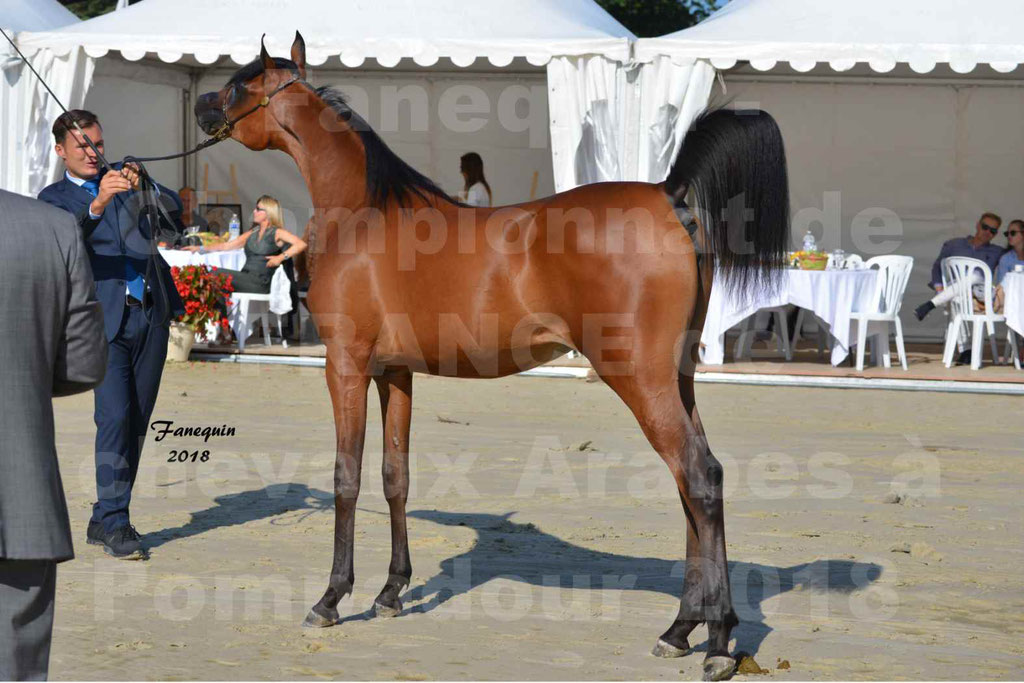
74	179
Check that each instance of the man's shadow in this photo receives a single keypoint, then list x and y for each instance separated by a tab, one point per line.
522	552
248	506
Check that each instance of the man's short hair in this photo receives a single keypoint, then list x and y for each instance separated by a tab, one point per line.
993	216
68	120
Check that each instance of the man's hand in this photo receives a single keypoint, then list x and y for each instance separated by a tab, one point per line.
131	172
111	184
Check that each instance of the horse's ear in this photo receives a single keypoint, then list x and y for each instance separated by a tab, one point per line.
299	54
268	62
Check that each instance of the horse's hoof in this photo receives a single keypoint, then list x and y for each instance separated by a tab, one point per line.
719	668
382	610
316	620
667	650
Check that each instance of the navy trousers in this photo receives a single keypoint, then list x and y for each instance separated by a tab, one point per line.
124	404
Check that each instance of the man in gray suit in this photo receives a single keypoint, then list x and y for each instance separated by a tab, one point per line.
51	344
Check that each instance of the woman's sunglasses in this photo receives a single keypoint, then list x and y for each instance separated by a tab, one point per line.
1013	233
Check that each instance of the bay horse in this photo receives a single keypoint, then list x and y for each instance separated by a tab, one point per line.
405	279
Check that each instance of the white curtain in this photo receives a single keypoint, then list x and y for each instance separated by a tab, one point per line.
671	96
586	100
29	162
611	121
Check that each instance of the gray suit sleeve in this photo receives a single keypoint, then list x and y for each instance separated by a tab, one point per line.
82	356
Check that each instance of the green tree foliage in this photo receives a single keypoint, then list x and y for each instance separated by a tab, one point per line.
645	18
87	9
648	18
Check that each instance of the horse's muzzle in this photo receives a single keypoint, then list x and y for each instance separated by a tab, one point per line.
209	115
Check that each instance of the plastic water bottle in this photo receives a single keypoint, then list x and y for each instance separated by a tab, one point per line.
809	243
234	227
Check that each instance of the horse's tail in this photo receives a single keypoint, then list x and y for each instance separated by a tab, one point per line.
735	164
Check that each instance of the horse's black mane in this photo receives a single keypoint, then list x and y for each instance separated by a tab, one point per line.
388	177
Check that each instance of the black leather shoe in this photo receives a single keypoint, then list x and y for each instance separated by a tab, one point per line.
94	534
924	309
124	543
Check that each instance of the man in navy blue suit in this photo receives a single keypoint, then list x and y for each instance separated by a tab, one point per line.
135	319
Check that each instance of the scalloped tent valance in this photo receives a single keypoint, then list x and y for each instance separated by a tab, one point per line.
350	30
841	33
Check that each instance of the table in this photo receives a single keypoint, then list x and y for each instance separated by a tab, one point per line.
1013	301
232	260
832	295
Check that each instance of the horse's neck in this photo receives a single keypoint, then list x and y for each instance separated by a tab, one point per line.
332	162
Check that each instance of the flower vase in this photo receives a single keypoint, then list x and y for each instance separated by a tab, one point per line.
179	343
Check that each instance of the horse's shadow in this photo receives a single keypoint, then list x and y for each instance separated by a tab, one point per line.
522	552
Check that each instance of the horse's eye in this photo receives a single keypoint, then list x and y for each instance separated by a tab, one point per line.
233	94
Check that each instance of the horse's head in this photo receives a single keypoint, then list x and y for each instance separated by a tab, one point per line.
244	108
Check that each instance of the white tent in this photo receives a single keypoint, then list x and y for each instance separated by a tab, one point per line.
436	78
17	102
34	15
902	120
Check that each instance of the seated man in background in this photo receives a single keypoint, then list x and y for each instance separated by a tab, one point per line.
190	215
978	246
170	234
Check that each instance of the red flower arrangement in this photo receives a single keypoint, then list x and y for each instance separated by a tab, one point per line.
203	291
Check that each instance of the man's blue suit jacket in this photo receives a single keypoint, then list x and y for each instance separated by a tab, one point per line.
118	237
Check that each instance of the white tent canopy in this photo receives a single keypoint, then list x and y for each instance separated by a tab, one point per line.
581	45
901	119
34	15
882	33
17	100
386	30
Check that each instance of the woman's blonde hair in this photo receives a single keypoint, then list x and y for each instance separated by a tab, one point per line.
273	210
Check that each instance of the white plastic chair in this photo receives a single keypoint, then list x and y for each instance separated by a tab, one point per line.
960	269
884	307
246	304
743	350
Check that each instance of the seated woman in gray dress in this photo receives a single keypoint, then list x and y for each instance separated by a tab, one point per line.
264	248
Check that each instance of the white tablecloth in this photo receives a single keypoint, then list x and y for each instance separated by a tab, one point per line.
831	294
1013	303
233	260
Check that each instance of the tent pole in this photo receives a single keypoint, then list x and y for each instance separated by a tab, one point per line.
190	164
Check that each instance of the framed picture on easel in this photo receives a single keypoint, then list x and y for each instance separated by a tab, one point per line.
219	215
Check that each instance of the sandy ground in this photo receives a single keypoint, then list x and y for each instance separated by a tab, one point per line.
871	535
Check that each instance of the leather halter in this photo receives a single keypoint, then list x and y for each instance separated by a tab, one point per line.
225	129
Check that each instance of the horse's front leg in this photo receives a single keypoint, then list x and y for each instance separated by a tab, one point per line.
347	384
395	389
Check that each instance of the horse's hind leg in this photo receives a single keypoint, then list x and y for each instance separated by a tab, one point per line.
654	396
347	386
674	642
395	389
